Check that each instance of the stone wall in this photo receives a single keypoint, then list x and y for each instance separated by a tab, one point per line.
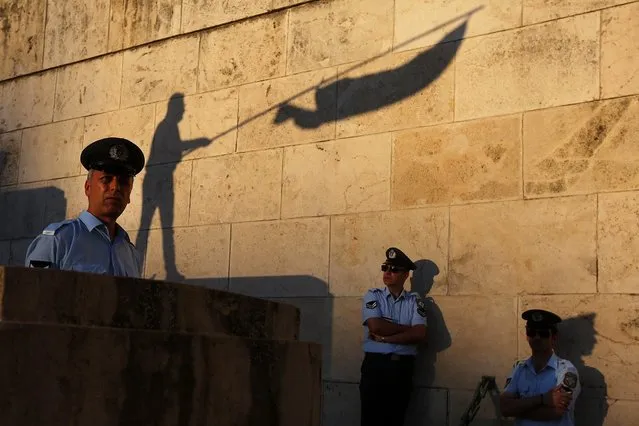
494	141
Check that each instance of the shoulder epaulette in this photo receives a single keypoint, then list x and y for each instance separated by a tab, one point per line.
374	290
53	228
519	362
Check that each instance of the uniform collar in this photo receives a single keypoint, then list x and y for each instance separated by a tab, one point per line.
553	362
387	293
92	222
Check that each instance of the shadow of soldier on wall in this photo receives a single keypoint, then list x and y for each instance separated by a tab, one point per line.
577	339
378	90
167	150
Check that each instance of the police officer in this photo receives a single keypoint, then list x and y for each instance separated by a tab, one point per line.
93	241
394	322
541	390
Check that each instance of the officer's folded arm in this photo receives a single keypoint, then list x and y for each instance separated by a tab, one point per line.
528	407
396	333
382	327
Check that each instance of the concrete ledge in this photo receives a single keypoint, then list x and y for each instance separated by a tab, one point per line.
70	298
57	376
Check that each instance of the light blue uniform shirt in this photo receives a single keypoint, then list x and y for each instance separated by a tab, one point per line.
524	381
83	244
407	309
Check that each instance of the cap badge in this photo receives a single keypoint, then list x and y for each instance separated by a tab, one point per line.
392	254
118	152
537	317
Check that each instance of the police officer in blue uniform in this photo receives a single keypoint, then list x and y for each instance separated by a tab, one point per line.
93	241
394	323
541	390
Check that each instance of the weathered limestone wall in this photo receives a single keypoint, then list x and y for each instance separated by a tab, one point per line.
502	153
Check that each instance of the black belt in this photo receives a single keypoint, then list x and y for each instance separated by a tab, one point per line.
390	356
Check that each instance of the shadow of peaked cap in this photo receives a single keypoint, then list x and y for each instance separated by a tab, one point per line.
538	318
113	155
396	257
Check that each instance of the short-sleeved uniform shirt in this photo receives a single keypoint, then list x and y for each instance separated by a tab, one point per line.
407	309
524	381
83	244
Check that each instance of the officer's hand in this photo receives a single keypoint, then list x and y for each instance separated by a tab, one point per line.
558	398
375	337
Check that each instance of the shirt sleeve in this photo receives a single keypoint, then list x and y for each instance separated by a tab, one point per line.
511	380
419	312
370	307
41	253
569	378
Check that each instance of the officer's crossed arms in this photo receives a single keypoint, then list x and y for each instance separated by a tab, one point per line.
544	387
384	330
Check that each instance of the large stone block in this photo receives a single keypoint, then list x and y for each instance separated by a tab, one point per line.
5	252
236	188
19	251
136	124
9	157
21	37
582	148
51	151
488	413
138	22
63	198
419	23
618	243
325	34
359	243
535	67
264	249
152	73
198	14
621	413
244	52
450	360
345	176
341	405
263	122
27	101
158	378
546	10
184	124
82	299
399	91
518	247
619	50
347	338
472	161
160	197
75	30
88	88
316	324
200	252
428	407
31	205
599	335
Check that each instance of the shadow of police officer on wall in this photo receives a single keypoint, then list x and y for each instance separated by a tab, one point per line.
158	193
577	339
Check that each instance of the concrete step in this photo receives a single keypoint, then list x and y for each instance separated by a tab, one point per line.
86	376
30	295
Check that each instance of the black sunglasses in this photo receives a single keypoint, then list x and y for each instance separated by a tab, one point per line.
543	333
392	268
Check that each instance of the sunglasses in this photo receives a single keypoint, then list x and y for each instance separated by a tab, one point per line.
393	269
543	333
